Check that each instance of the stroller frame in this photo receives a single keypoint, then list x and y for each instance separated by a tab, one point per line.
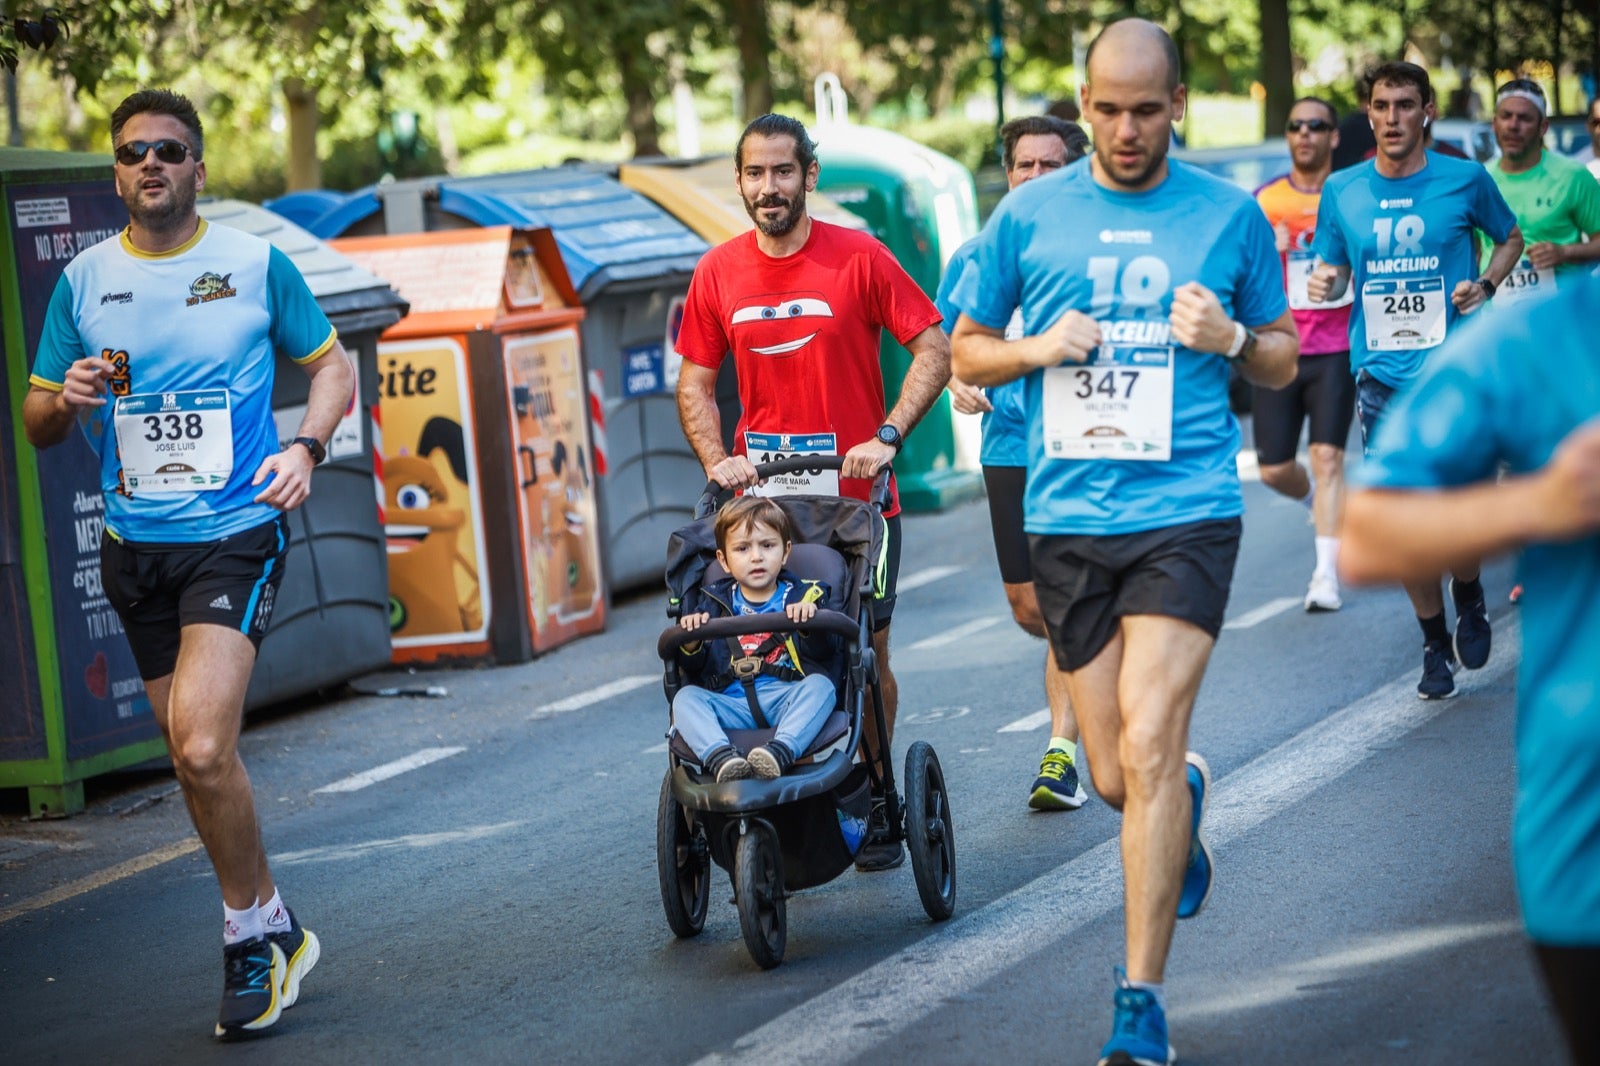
748	826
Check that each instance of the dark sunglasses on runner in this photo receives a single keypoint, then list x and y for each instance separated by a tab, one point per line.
133	153
1315	125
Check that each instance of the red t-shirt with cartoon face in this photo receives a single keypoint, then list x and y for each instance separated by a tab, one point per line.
804	332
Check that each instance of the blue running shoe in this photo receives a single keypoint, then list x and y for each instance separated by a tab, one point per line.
1197	874
1138	1029
1438	672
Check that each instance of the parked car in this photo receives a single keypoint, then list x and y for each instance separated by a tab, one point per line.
1569	135
1476	139
1248	166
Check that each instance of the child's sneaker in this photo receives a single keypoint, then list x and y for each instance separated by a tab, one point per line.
726	764
771	760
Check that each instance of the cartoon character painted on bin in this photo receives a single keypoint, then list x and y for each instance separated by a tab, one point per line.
433	585
571	568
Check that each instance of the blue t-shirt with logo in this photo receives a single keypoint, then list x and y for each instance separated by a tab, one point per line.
1508	389
750	642
1064	242
1408	243
193	336
1004	429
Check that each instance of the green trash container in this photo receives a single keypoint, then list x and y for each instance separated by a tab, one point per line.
74	704
922	205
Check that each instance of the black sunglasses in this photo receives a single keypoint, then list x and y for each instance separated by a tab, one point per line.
133	153
1315	125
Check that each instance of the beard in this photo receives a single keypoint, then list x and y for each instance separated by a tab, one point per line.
175	208
785	223
1132	177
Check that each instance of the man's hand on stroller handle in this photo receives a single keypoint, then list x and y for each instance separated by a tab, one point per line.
867	458
734	472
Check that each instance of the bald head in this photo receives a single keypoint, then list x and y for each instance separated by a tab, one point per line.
1135	42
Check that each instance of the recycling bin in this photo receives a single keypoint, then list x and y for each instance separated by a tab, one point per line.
630	263
490	498
923	206
704	195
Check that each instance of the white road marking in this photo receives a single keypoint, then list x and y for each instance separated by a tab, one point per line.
1270	609
390	769
410	842
596	695
659	749
849	1021
1027	724
925	577
950	636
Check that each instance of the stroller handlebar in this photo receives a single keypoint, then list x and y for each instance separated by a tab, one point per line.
834	622
714	490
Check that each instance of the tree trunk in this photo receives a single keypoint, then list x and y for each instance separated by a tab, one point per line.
1277	65
305	169
634	64
752	29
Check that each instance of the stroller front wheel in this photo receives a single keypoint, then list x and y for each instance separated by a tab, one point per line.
758	892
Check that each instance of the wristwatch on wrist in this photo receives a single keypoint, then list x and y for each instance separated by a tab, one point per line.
1488	287
314	446
1244	344
891	436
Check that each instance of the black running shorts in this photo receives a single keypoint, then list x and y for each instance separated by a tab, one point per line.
157	589
1323	390
883	606
1086	584
1005	486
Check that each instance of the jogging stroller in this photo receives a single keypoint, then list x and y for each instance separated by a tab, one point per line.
804	828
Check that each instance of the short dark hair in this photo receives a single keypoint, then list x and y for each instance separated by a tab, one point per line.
159	102
1333	112
745	512
1071	135
772	125
1169	50
1399	72
1065	108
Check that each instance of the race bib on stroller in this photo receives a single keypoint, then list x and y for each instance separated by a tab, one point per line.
770	447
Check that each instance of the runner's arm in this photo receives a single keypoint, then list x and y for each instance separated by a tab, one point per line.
48	414
982	356
1503	256
1400	534
925	379
333	382
1200	324
702	428
1546	254
1327	282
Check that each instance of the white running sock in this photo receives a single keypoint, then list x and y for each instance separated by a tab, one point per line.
240	925
1328	556
1310	498
274	915
1157	990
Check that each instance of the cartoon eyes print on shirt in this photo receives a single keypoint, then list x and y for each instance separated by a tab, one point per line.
780	324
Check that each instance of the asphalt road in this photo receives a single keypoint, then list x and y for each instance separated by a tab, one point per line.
497	901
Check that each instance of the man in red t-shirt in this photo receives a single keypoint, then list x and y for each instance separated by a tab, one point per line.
801	304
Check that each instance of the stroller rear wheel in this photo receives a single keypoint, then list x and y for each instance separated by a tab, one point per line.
758	891
683	861
929	835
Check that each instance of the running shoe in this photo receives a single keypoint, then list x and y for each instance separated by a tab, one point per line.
1197	873
1472	631
1323	593
1438	673
1138	1029
252	974
881	851
1057	787
301	950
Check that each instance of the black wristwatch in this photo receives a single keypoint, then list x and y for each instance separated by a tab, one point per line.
314	446
1488	287
891	436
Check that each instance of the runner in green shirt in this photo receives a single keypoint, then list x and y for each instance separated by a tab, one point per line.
1556	201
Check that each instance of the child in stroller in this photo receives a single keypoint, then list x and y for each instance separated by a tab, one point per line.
776	680
799	820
